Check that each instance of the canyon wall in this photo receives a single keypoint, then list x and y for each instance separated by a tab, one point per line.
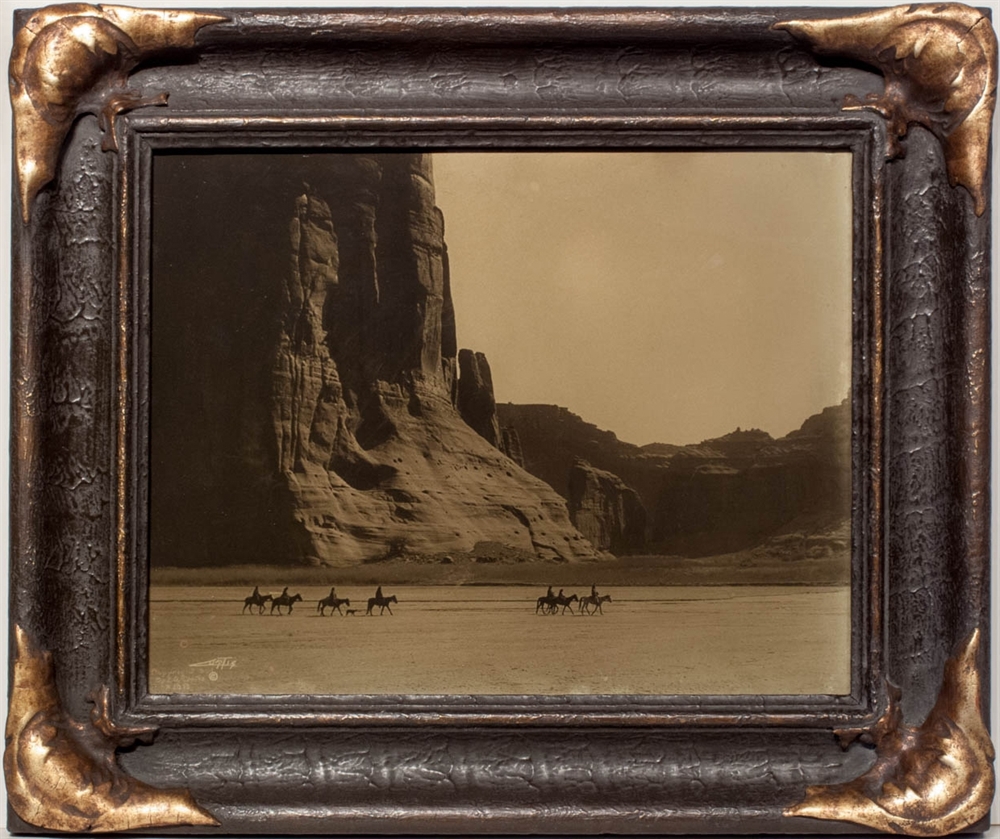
309	402
721	495
310	381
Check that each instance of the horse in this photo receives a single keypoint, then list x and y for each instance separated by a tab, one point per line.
256	600
326	600
381	601
562	600
590	602
550	605
333	602
284	599
546	605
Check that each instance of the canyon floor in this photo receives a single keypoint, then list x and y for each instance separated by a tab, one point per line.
719	639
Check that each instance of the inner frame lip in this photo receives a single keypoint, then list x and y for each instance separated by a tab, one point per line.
859	133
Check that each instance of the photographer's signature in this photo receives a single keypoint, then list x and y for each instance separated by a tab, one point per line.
214	665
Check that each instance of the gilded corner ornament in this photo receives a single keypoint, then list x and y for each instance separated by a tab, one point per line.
930	780
63	775
75	59
940	67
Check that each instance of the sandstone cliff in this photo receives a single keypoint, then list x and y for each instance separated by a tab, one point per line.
317	418
370	441
551	438
606	510
476	402
741	489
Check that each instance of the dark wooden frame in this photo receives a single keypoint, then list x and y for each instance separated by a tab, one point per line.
652	79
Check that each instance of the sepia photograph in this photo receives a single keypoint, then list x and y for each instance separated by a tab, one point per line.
500	423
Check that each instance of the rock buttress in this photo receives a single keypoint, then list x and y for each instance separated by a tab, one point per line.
371	446
605	509
476	402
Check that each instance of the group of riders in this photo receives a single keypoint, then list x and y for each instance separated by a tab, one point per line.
257	601
550	603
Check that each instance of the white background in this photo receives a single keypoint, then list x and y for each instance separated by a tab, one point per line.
6	9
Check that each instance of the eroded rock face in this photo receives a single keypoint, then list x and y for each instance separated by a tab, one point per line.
605	509
370	442
306	377
476	402
510	445
308	396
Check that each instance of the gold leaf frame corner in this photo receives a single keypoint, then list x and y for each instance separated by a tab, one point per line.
73	59
940	66
930	780
63	775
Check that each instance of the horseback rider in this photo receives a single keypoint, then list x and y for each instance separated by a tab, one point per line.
593	591
378	594
256	593
549	593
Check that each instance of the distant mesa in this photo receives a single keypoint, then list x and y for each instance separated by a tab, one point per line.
722	495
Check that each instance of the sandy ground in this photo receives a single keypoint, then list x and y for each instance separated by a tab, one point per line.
488	640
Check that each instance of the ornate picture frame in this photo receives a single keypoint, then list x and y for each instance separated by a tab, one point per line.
910	91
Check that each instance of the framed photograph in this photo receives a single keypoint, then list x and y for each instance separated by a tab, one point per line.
501	421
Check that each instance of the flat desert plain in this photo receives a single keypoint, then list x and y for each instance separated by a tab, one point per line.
489	640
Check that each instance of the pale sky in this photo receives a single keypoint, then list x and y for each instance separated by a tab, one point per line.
666	296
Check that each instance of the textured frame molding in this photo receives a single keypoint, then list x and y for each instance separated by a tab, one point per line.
939	63
940	68
75	59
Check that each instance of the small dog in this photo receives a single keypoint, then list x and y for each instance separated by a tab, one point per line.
352	611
